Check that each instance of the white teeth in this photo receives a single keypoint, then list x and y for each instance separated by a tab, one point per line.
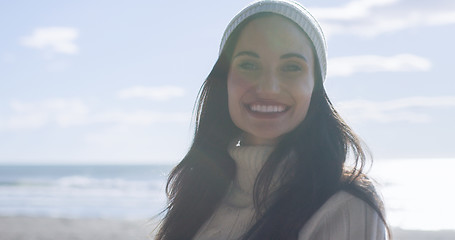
267	108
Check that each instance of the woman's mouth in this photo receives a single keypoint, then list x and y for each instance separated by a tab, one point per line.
267	108
261	110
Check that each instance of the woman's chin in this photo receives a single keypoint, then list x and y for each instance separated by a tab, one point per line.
249	139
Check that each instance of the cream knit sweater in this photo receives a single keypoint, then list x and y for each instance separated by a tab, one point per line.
342	217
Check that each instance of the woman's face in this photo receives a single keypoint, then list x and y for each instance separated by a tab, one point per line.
270	80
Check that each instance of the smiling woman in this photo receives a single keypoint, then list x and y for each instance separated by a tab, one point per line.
268	156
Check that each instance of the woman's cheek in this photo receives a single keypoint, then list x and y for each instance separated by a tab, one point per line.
239	82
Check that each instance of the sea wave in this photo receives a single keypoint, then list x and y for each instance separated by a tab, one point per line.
82	196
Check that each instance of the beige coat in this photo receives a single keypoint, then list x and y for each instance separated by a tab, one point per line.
342	217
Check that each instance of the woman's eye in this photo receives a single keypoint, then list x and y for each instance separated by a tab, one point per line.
248	66
291	68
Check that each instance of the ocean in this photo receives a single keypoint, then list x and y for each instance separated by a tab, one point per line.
119	191
418	193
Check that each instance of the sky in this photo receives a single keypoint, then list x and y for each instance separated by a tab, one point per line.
114	82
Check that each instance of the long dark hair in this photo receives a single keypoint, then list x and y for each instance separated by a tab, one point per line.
319	148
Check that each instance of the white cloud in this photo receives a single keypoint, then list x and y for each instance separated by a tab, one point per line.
57	39
398	110
141	117
74	112
373	17
162	93
352	10
346	66
442	18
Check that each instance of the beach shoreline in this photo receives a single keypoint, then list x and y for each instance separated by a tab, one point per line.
46	228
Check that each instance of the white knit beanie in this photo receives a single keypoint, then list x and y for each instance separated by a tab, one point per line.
294	12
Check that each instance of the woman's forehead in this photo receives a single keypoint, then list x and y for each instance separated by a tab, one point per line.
273	33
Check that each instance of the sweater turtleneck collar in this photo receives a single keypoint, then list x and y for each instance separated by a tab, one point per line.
249	160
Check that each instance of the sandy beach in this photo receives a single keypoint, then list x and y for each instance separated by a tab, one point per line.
400	234
30	228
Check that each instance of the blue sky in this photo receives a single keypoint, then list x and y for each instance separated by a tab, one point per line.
115	81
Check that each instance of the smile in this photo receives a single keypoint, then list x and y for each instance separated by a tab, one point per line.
260	108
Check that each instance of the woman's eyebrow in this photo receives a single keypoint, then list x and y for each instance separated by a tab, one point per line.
247	53
292	55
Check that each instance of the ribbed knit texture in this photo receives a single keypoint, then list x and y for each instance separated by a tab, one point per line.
235	215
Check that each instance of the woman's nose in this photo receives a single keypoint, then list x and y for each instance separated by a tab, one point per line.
269	83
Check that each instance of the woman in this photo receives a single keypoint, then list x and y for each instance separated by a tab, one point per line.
268	155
